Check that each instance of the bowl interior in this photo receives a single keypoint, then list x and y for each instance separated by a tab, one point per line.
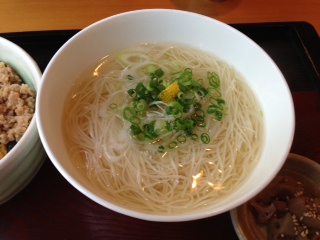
123	30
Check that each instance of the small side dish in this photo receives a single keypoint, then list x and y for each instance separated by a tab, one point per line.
17	106
288	208
21	151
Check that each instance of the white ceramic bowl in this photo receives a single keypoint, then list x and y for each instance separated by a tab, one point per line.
159	25
20	165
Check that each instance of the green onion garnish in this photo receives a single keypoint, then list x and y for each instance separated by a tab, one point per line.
130	77
172	145
113	105
205	138
187	102
181	138
161	149
135	120
128	113
214	79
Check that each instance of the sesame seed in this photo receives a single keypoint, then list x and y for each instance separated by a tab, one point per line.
307	214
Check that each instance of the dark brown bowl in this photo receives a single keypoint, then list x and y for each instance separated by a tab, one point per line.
303	170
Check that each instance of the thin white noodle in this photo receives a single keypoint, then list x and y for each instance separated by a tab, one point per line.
133	174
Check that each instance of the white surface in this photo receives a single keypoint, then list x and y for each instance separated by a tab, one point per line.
120	31
20	165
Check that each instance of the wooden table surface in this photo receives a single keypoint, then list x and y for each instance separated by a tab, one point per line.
35	15
50	208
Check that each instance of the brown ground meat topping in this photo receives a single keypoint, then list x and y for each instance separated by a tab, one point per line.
17	104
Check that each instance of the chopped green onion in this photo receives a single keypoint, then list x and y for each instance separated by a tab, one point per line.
188	101
169	127
148	127
205	138
169	110
174	109
154	83
128	113
185	108
130	77
177	114
149	87
217	110
141	105
172	145
150	135
113	106
188	132
197	105
160	127
140	89
135	120
202	92
200	113
214	79
180	95
218	115
159	72
201	123
189	123
132	92
179	124
220	102
212	108
214	92
161	149
181	138
140	136
135	129
151	68
194	137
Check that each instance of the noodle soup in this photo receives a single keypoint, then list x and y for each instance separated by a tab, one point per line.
162	129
